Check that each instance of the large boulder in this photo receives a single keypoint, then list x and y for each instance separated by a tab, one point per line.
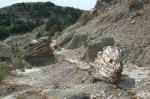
95	46
39	52
78	40
64	39
72	40
108	64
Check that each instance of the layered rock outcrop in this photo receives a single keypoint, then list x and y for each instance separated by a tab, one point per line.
40	52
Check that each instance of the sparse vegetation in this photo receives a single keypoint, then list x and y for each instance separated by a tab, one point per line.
19	64
15	60
17	51
85	17
53	25
3	70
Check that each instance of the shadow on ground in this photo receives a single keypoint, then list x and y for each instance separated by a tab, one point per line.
126	82
41	60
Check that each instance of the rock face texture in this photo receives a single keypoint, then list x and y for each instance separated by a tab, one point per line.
95	46
39	52
122	21
108	64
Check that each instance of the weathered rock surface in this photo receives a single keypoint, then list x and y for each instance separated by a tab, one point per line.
63	39
39	52
78	41
114	20
108	64
95	46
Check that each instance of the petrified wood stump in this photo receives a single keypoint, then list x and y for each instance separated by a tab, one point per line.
108	64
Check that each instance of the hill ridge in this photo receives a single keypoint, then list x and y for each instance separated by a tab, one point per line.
21	18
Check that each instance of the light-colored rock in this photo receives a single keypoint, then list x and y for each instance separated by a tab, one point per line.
108	64
34	42
133	22
53	44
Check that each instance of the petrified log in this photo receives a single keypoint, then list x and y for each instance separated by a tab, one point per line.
108	64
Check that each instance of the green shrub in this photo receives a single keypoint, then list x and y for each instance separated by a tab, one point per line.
21	27
20	64
4	68
5	51
53	25
17	51
85	17
3	32
3	74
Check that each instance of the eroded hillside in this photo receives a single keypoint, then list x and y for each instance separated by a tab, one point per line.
126	22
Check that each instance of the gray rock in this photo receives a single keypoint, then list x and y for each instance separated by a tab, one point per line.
146	57
95	46
64	39
78	40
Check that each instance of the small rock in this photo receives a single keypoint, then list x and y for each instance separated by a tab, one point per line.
133	22
34	42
